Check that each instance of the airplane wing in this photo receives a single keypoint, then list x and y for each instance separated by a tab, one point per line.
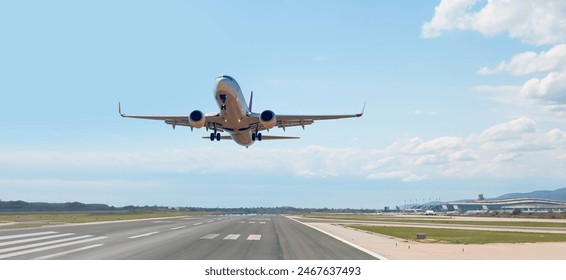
211	120
284	121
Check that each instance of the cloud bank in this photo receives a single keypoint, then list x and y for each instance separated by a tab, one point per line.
512	149
536	23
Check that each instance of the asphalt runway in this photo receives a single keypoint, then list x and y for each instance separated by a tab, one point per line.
185	238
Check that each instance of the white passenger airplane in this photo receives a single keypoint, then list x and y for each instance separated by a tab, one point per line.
237	118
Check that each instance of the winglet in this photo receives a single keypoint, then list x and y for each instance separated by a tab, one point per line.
251	100
363	109
120	109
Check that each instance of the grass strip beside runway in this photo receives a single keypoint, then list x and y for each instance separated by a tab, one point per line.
457	236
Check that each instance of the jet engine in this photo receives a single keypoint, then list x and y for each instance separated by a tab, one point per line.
268	119
196	119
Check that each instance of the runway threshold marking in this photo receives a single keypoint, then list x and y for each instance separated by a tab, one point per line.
34	239
144	235
176	228
232	236
26	235
254	237
210	236
42	244
68	252
50	247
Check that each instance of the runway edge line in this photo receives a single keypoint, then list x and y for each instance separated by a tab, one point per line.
342	240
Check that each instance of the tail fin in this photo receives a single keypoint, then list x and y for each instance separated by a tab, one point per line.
251	100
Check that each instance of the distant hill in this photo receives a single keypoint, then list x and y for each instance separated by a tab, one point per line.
559	194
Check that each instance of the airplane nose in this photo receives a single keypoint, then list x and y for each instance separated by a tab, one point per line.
224	82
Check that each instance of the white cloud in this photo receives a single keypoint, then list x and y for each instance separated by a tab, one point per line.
549	92
550	89
506	157
535	22
448	15
405	176
509	131
420	112
530	62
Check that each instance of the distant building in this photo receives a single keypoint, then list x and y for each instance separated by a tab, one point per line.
525	204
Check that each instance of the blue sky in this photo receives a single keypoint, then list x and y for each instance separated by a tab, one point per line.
463	97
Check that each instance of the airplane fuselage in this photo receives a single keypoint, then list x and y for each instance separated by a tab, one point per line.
233	110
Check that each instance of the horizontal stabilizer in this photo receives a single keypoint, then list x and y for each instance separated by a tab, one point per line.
270	137
264	137
221	137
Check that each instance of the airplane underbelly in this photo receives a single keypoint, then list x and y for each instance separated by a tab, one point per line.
244	139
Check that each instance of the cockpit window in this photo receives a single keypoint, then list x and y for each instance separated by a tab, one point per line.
227	77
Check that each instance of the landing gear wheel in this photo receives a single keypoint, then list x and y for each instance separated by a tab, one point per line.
218	136
212	137
253	136
259	137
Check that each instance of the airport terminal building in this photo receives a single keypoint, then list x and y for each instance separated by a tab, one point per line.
505	205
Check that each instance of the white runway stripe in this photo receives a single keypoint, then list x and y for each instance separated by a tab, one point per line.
254	237
42	244
210	236
68	252
144	235
232	236
33	239
50	247
176	228
262	223
26	235
197	224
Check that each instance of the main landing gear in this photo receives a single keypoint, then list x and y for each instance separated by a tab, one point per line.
257	136
215	136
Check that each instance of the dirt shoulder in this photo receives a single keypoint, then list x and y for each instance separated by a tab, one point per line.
399	249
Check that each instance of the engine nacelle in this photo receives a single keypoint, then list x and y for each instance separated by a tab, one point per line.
196	119
268	119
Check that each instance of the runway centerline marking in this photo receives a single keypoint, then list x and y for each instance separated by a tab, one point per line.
254	237
26	235
232	236
144	235
197	224
176	228
262	223
210	236
252	222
